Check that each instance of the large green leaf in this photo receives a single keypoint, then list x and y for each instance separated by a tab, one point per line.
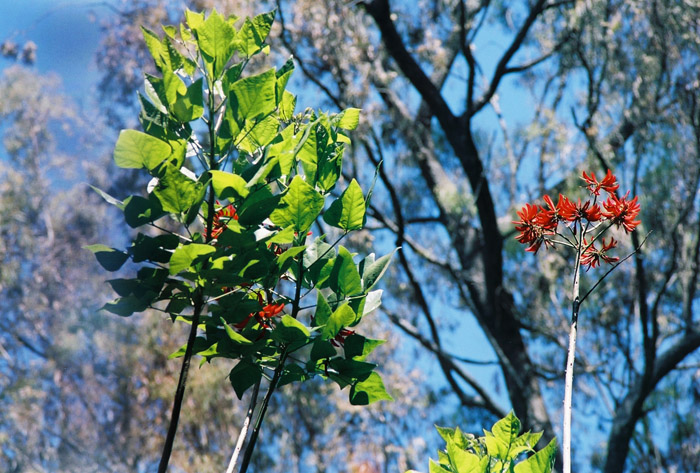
299	206
215	38
348	211
254	96
344	277
499	442
228	185
185	255
368	391
136	150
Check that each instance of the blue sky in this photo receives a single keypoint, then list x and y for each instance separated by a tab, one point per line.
66	34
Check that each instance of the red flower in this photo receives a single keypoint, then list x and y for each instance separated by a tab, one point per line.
608	183
339	339
591	255
550	218
264	316
221	218
576	212
531	231
622	212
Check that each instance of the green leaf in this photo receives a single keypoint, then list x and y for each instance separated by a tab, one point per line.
147	248
194	19
244	375
177	192
228	186
283	74
349	119
344	276
258	206
375	271
140	211
461	460
190	105
135	150
258	133
507	429
299	206
323	310
254	96
368	391
285	259
348	211
290	330
109	258
358	347
435	467
235	336
291	373
157	48
251	37
155	91
540	462
125	306
322	349
185	255
287	105
108	198
342	317
372	302
215	38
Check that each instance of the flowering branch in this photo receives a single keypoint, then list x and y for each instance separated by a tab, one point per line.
538	225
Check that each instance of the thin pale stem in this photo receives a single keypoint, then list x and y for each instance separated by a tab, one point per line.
244	429
570	359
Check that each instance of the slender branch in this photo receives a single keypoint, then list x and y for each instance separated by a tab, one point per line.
244	430
263	409
180	390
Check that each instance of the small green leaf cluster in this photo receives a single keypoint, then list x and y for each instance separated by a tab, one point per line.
497	451
238	180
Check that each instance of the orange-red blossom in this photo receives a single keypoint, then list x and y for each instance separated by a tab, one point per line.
538	223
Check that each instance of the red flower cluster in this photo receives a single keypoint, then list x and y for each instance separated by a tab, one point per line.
538	223
268	312
221	218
